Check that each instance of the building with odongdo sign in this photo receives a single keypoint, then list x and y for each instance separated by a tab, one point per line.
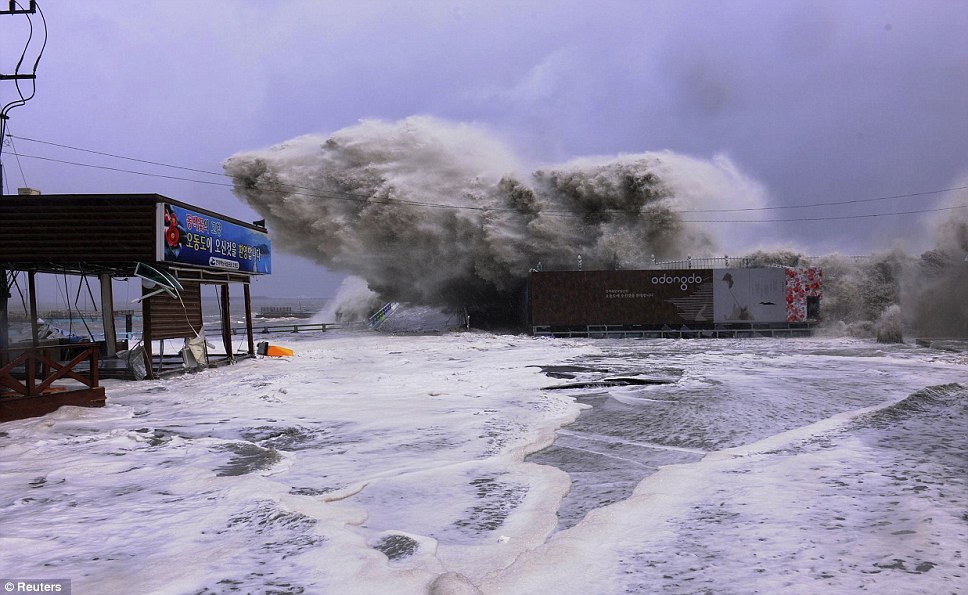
678	302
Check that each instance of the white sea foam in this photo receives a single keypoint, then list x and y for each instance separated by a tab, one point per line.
380	463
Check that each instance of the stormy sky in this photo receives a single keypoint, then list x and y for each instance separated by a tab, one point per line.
817	102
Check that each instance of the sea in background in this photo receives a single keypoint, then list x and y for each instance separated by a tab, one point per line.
84	323
475	462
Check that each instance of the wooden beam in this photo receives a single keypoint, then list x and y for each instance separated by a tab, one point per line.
248	317
146	334
32	291
107	316
226	321
4	319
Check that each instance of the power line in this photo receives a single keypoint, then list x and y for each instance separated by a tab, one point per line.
93	152
341	196
19	165
364	199
280	187
418	203
830	204
831	218
120	170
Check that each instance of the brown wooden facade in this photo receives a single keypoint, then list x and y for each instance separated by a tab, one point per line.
102	235
57	231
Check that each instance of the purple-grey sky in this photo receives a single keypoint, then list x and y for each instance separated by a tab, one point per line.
819	101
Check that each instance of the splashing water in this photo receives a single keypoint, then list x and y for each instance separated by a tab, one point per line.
437	213
890	294
440	214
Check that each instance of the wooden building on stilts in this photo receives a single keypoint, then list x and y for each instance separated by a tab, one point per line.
173	248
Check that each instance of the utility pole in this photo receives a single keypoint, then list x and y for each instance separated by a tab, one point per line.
14	7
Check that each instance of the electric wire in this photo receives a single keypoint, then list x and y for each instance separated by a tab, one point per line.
126	171
832	203
19	164
33	80
115	156
831	218
296	190
77	307
363	198
23	55
20	62
13	282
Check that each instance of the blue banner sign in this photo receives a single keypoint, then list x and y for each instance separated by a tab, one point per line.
189	237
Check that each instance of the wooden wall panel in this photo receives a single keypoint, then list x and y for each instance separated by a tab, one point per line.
170	318
77	228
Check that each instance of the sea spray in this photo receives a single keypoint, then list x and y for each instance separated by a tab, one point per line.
889	327
443	214
938	283
859	290
353	302
889	294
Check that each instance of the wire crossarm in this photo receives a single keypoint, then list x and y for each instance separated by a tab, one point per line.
13	7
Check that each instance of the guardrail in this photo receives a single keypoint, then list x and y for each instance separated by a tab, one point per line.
265	329
723	331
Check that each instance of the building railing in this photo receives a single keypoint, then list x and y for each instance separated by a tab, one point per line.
704	262
729	262
31	371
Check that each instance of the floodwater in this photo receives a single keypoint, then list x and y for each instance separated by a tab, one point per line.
378	463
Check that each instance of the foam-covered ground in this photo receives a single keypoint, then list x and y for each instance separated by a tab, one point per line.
378	463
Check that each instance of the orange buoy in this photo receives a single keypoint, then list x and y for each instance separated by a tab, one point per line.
273	350
276	351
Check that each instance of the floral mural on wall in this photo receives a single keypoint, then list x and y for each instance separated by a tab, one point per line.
802	283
